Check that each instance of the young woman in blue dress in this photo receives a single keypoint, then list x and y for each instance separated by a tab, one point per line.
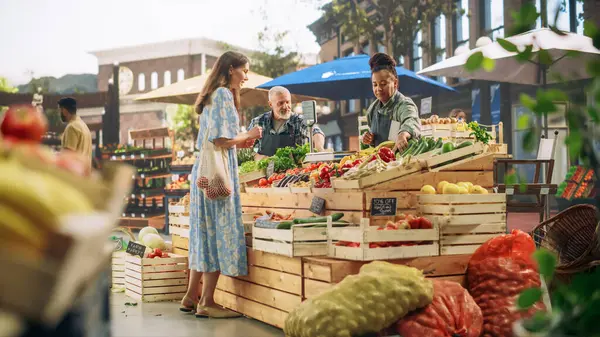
217	244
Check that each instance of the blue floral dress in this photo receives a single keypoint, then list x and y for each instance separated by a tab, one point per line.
217	240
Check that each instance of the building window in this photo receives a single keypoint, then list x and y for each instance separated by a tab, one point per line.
417	59
141	82
180	75
154	80
438	40
353	105
493	18
461	24
569	15
167	78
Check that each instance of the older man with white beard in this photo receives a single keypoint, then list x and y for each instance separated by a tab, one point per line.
282	127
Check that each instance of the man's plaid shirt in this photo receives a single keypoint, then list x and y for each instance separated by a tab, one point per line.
294	126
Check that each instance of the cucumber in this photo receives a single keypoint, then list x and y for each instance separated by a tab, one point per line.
419	149
285	225
412	143
463	144
417	145
334	217
430	144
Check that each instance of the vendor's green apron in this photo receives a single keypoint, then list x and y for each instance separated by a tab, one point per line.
380	127
270	142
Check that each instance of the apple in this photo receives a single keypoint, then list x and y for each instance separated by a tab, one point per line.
24	122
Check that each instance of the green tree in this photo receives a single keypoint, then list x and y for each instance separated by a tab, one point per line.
5	87
407	19
354	23
183	123
272	59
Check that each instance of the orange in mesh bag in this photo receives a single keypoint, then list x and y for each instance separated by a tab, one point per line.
213	171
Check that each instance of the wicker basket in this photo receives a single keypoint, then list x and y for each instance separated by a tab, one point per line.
572	235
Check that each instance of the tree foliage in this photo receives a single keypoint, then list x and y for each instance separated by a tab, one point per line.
272	59
183	123
354	23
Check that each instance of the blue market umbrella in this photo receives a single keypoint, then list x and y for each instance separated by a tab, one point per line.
350	78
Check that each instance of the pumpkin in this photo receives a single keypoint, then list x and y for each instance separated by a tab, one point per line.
498	272
453	313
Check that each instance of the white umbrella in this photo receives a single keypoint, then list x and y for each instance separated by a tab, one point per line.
509	69
185	92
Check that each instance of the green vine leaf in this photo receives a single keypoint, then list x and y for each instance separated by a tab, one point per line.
488	64
525	55
590	30
474	62
546	262
523	122
544	57
527	101
528	298
508	46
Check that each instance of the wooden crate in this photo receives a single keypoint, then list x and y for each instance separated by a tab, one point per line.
321	274
365	235
179	225
465	220
153	280
378	178
300	240
118	268
252	176
272	288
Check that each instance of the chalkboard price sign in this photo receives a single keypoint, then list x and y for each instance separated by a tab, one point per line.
136	249
270	168
383	206
317	205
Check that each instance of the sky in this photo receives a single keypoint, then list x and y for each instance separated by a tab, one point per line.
54	37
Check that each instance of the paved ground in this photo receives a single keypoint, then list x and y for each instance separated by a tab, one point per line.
164	319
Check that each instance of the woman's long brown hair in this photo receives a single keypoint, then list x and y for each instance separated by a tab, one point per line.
220	77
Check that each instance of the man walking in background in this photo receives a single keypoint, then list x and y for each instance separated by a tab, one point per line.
77	136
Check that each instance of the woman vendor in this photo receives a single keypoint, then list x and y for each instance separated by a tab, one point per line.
391	111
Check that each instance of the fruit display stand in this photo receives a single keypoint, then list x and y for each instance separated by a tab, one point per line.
151	155
300	240
465	220
421	242
156	279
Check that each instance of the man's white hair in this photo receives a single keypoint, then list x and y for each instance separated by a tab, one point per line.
277	90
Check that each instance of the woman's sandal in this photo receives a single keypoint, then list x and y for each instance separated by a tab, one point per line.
215	313
187	309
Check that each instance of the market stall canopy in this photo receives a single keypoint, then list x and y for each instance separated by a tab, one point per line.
185	92
350	78
509	69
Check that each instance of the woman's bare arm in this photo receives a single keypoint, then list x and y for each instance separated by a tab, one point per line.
227	143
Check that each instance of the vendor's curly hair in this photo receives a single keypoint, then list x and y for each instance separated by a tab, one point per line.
381	61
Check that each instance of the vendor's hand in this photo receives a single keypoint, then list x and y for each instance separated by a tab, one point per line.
247	144
367	138
255	133
402	141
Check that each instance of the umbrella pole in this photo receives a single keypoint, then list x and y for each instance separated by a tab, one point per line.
544	84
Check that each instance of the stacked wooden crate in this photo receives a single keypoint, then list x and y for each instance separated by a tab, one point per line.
465	220
179	227
320	274
157	279
118	268
272	288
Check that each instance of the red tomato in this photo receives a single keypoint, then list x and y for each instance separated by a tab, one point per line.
151	255
157	251
271	178
263	182
415	223
426	224
24	122
354	244
374	245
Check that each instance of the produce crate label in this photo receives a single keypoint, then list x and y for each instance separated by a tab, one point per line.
510	190
383	206
544	190
270	168
317	205
136	249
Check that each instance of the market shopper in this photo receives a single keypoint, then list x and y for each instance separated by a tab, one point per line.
217	244
77	136
282	127
391	107
458	114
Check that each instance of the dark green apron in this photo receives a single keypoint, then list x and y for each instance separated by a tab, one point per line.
380	127
271	142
